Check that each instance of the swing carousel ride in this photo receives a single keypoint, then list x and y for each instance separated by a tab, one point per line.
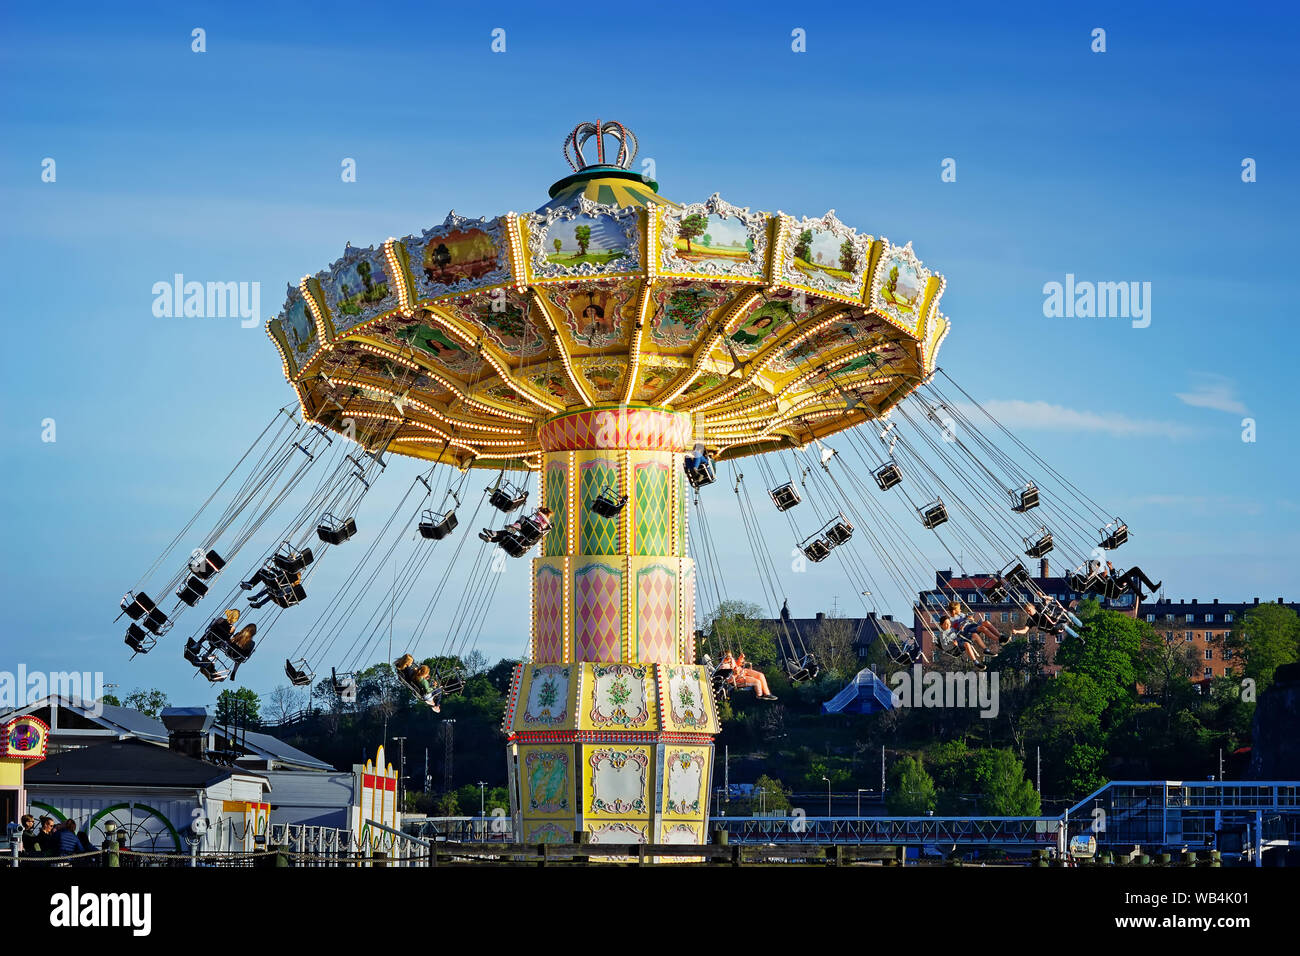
604	355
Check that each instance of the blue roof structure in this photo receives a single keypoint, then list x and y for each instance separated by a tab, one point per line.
865	694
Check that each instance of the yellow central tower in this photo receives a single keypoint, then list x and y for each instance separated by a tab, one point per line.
611	724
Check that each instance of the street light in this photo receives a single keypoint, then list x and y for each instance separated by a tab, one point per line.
828	795
861	791
482	808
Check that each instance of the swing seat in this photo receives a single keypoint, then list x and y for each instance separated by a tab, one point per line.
1111	540
785	496
996	594
839	533
1041	546
194	651
300	676
453	683
887	475
334	530
192	591
214	672
155	622
291	561
900	653
933	514
1113	588
699	471
608	503
288	597
137	606
819	549
436	526
238	647
507	498
344	687
530	532
139	640
1015	575
1093	583
513	546
424	695
804	669
205	567
1025	499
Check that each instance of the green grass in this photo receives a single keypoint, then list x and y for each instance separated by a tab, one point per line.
571	259
811	267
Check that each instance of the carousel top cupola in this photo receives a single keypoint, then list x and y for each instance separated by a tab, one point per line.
609	179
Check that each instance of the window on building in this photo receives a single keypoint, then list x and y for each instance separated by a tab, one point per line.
1227	653
1189	637
1058	638
1209	636
1151	618
971	598
1209	619
1209	653
1005	617
1228	617
1169	617
1191	618
1209	672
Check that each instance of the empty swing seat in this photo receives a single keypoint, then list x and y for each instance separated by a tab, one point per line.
804	669
452	683
345	687
839	532
438	526
1113	539
699	471
292	561
608	504
996	594
1041	546
887	475
1016	575
155	622
208	565
819	549
137	606
192	591
1025	499
785	496
334	530
300	676
139	640
507	498
933	514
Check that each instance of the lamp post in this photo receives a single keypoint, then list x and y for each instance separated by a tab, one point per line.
861	791
828	795
482	809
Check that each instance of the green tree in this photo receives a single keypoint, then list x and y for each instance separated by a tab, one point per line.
848	258
149	702
1266	637
1112	653
241	706
692	226
775	795
582	234
912	792
558	244
111	700
706	240
803	246
737	626
998	777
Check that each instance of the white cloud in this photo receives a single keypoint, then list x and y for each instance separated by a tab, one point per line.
1215	392
1047	417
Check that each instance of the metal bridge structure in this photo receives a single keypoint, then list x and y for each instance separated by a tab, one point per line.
1241	817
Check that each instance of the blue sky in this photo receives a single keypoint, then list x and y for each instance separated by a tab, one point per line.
1119	166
